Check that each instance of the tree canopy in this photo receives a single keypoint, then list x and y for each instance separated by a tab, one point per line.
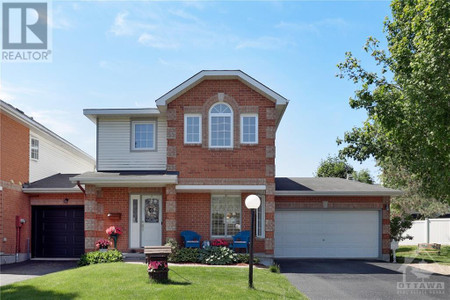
334	166
408	99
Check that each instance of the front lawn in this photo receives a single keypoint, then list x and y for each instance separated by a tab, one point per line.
130	281
409	253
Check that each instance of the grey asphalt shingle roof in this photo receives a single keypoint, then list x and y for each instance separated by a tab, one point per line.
329	185
55	181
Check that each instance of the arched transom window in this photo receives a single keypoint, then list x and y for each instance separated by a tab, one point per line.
221	126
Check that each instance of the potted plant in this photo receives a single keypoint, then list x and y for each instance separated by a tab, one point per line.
102	245
114	232
158	270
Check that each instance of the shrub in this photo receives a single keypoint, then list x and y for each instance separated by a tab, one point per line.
245	258
274	268
185	255
217	256
174	246
98	257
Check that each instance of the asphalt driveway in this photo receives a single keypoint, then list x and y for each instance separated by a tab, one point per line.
29	269
356	279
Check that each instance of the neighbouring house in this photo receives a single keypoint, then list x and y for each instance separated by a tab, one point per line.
189	164
31	152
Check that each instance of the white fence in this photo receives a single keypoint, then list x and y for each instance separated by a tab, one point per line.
429	231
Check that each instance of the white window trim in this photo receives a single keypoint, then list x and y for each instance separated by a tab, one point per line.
133	137
210	215
221	115
199	116
263	218
36	148
256	128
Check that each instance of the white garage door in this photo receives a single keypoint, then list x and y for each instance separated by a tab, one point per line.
327	234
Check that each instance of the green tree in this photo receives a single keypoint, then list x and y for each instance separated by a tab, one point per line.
411	201
363	176
333	166
408	99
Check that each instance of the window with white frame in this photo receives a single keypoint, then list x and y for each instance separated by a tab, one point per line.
260	218
34	149
192	129
221	126
249	129
143	135
225	215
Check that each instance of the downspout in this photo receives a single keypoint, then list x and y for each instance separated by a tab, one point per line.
81	188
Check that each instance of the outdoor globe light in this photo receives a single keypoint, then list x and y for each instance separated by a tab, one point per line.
252	202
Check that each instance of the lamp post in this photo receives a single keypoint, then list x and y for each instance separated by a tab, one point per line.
252	202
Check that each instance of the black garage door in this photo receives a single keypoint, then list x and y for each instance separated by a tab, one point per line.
58	231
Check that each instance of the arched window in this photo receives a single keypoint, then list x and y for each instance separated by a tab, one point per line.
221	126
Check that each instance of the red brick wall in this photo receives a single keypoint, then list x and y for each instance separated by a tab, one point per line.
194	213
244	161
14	154
14	203
57	199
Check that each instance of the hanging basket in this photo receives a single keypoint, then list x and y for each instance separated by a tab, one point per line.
159	275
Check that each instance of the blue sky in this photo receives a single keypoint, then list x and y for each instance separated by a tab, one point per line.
127	54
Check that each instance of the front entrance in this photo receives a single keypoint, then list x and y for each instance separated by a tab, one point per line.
145	220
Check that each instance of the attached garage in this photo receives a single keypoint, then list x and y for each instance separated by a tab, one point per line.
57	231
327	234
331	218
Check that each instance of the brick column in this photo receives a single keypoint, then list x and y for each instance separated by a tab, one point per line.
270	218
170	222
93	222
385	235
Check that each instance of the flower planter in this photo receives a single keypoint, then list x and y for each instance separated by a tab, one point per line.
102	250
159	275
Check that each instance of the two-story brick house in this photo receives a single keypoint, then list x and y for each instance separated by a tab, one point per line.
190	163
31	152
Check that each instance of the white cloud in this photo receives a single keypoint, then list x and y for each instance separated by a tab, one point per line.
156	41
58	20
123	26
315	27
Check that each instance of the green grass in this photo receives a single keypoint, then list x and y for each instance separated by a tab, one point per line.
409	252
131	281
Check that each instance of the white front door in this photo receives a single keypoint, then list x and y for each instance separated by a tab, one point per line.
145	220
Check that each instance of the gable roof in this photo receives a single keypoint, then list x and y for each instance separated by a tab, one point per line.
29	122
328	186
217	75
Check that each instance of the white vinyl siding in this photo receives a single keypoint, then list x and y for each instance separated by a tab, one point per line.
114	147
249	129
192	129
55	157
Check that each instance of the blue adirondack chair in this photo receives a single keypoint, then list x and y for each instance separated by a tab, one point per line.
241	240
191	239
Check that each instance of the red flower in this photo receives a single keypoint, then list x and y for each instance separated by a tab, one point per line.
114	230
